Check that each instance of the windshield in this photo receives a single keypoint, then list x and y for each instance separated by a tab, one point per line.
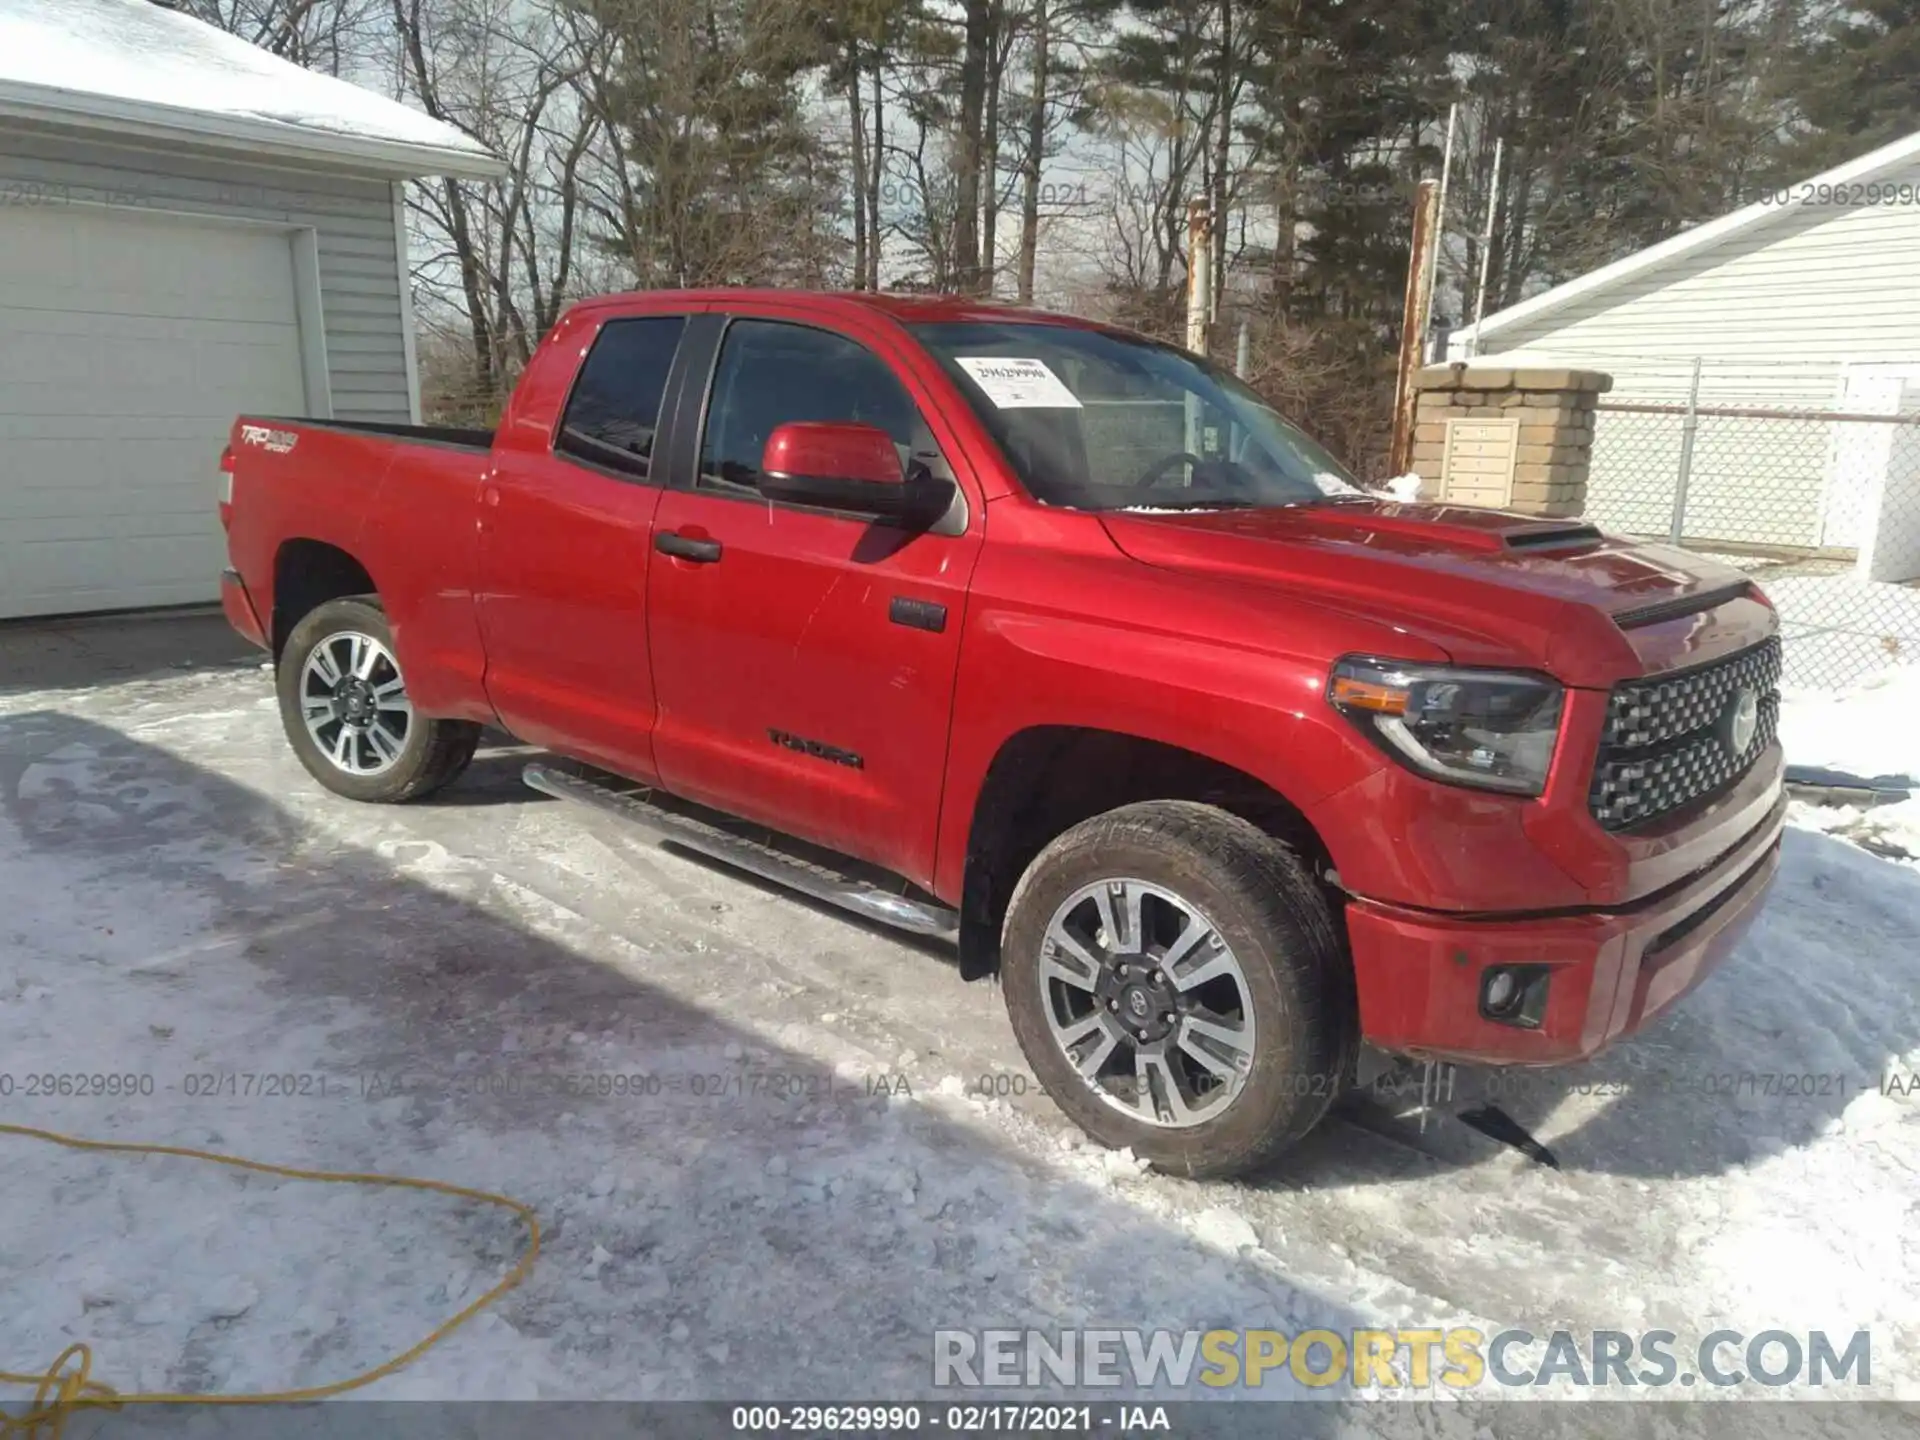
1103	421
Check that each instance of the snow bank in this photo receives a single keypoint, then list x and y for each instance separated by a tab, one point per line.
1404	488
1869	730
135	52
1890	831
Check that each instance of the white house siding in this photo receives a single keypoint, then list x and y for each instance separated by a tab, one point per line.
1777	314
352	218
1819	287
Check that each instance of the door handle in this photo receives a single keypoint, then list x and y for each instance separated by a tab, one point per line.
685	547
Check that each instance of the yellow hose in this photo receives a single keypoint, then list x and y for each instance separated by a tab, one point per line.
67	1385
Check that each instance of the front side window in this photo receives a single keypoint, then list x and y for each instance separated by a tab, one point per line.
1099	420
615	408
772	374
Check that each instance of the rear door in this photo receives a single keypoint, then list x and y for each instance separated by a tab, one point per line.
804	658
566	534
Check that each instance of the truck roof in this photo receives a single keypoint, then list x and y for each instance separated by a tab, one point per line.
906	308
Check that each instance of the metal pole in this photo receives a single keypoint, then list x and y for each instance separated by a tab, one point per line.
1243	352
1688	428
1440	227
1413	323
1486	250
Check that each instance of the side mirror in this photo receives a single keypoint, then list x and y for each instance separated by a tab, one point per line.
846	467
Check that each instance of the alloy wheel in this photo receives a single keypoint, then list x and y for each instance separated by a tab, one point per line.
1148	1002
354	703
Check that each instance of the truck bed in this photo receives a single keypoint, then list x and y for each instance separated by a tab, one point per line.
396	507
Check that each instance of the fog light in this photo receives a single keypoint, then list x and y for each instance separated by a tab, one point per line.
1515	994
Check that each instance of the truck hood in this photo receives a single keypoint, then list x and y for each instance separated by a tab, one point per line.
1486	586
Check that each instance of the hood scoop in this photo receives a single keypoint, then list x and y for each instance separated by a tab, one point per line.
1551	537
1408	527
1694	603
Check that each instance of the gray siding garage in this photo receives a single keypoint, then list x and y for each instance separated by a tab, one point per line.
164	269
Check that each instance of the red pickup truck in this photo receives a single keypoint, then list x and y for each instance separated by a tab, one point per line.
1061	640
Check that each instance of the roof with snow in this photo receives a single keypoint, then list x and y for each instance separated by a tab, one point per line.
136	68
1875	164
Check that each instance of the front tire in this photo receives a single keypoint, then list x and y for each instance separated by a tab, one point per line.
344	704
1178	985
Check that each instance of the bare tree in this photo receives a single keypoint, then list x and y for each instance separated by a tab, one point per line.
503	253
1035	154
335	36
696	142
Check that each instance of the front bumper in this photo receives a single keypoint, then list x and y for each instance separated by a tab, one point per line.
1610	971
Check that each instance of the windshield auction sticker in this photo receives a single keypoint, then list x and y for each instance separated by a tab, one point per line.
1018	384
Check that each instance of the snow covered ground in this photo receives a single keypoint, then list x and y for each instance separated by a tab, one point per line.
767	1212
1866	730
1867	733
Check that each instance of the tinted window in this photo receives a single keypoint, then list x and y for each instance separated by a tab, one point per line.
771	374
616	401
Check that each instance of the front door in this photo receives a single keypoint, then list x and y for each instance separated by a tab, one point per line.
805	659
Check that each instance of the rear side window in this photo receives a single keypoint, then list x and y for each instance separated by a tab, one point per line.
615	408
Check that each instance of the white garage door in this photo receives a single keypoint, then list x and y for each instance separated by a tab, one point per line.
128	342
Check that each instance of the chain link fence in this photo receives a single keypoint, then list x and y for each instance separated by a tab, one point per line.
1808	478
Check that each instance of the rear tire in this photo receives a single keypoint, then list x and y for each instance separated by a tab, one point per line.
1210	1028
344	706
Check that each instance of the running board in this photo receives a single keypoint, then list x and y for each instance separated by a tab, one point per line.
862	897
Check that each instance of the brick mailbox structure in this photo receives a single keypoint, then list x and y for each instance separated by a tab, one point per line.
1510	439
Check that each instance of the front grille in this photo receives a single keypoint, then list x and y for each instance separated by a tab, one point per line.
1668	741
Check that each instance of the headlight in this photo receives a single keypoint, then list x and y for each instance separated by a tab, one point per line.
1487	728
